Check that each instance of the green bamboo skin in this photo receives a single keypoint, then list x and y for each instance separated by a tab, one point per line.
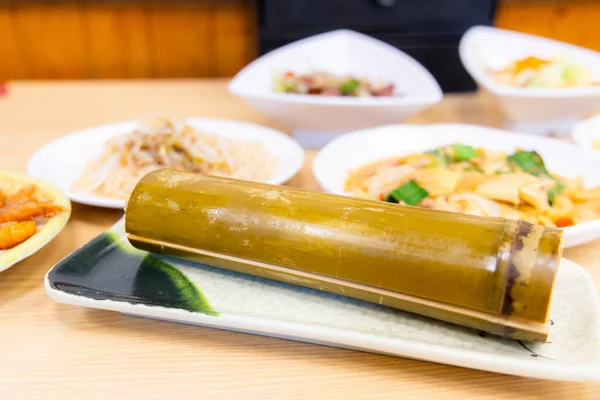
490	274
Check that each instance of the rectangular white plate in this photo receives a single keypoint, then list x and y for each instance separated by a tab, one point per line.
109	274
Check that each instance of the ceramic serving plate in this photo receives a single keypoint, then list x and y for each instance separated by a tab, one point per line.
108	273
532	110
340	52
11	182
62	161
586	133
351	151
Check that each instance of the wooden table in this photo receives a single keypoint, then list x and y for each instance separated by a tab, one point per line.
59	351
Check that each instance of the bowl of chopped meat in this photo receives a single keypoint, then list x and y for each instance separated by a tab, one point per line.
336	81
327	84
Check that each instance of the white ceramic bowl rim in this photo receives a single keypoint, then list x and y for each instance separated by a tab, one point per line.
503	90
434	96
587	131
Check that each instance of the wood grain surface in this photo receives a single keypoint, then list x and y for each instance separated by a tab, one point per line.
74	39
125	39
572	21
50	350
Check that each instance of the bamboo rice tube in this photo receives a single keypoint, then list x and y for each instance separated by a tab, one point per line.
490	274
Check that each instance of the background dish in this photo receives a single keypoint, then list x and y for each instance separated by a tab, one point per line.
530	109
61	162
338	52
109	274
45	233
586	133
551	73
351	151
327	84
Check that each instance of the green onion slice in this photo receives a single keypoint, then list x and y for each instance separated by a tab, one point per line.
410	193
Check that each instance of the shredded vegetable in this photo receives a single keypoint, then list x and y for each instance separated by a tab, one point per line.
127	158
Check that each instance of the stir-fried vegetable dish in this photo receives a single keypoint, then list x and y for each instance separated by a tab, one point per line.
478	181
533	72
326	84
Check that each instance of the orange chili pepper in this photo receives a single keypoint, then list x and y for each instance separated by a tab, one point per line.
564	222
14	234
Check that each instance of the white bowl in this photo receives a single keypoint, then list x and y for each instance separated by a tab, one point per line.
530	109
62	161
587	132
353	150
338	52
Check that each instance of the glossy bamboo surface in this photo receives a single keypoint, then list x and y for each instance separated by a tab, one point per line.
491	274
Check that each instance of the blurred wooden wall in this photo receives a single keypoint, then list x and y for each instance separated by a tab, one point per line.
573	21
91	39
136	39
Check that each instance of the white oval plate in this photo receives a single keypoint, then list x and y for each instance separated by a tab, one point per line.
47	232
586	132
348	152
62	161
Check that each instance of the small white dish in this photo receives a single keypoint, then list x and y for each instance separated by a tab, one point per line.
337	52
353	150
62	161
586	133
109	274
532	110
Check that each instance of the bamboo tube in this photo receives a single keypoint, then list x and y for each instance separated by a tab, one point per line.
490	274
